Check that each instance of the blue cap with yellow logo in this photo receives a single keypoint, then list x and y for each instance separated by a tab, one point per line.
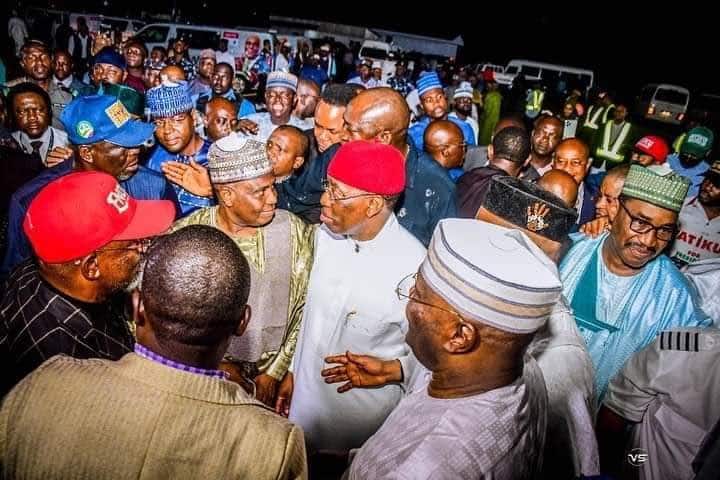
95	118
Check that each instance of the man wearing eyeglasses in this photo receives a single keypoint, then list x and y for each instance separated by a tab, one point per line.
622	289
573	157
104	137
361	253
88	236
171	109
280	102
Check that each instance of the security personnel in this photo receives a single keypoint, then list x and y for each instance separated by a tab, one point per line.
669	391
615	142
596	116
533	105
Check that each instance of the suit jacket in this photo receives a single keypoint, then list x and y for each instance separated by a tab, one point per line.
136	418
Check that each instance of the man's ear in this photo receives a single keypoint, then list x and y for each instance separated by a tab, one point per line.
464	338
375	206
385	137
86	153
138	313
299	160
124	75
490	152
247	313
225	195
90	267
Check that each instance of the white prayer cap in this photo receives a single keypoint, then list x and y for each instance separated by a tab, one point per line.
235	158
491	274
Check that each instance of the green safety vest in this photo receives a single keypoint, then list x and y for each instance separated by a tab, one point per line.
678	142
534	106
610	152
606	111
592	116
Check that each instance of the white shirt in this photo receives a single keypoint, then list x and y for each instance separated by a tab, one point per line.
371	83
50	139
580	195
83	45
65	83
705	277
497	434
281	63
18	32
470	121
352	305
698	237
266	127
560	352
225	57
671	391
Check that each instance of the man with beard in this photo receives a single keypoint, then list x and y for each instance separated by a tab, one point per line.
88	236
308	95
699	235
399	82
109	67
171	109
622	290
278	246
463	103
545	137
692	159
222	79
104	138
37	65
434	104
178	57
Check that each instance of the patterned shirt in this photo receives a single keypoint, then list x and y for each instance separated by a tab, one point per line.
186	64
401	85
37	322
155	357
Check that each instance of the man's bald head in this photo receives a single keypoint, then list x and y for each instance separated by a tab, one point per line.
561	184
445	142
172	73
380	113
220	118
572	156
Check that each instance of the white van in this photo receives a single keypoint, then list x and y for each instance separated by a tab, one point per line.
200	37
379	52
547	73
664	103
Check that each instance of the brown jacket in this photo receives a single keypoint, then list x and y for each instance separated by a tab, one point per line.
135	418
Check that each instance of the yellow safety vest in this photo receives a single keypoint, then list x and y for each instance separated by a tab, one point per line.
606	111
610	152
678	142
592	117
536	103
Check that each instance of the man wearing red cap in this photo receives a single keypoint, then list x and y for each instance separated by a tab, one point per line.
88	235
361	253
649	150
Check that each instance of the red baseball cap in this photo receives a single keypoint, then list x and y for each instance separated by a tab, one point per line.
654	146
369	166
78	213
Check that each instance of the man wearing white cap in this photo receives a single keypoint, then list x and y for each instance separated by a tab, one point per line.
480	412
278	247
463	99
280	100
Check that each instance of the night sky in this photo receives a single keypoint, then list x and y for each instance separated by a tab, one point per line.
627	45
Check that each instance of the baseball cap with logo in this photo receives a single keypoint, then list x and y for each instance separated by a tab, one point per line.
654	146
81	212
698	142
95	118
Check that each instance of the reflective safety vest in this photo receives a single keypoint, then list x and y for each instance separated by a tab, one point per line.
592	117
533	107
606	112
678	142
610	152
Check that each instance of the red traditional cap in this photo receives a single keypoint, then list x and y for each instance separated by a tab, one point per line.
654	146
78	213
369	166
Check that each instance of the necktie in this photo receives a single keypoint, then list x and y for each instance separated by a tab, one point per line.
36	147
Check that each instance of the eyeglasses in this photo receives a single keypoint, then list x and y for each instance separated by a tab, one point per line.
331	191
405	291
638	225
140	245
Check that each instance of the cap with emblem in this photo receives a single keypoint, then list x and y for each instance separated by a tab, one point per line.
96	118
129	97
235	158
491	274
654	146
281	80
657	185
81	212
529	207
169	99
698	142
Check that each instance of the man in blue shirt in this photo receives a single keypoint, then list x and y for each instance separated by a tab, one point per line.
434	104
171	108
692	159
104	138
222	80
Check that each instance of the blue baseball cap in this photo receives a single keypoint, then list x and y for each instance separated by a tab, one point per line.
110	56
95	118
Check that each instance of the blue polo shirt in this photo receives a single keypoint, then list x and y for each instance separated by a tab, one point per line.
143	185
417	131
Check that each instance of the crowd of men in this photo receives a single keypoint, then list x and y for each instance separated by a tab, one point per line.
372	278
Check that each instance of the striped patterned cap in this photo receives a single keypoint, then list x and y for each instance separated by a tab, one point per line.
427	82
658	185
283	80
169	99
491	274
464	90
235	158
